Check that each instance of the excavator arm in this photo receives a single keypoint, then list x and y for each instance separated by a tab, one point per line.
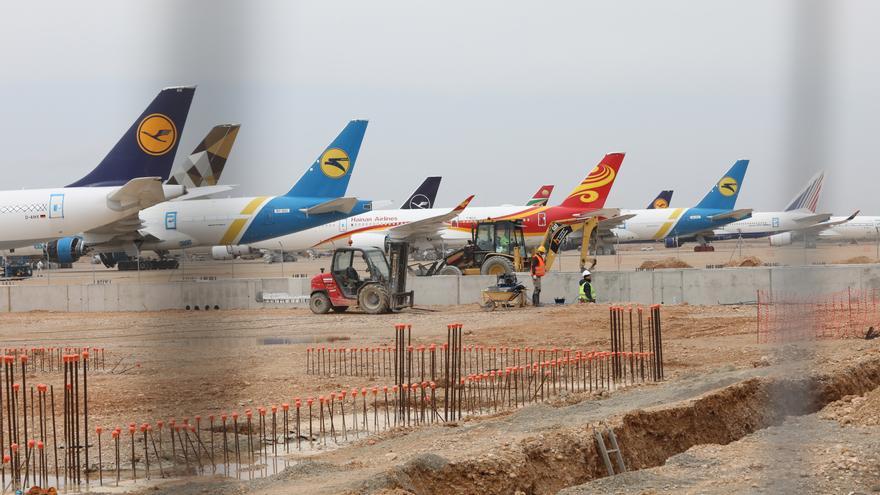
556	234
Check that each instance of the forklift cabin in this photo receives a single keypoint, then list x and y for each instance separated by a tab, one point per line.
363	277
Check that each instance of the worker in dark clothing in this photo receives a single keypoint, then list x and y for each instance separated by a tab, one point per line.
538	271
586	292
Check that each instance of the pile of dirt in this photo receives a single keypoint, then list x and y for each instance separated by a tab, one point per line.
858	260
854	409
745	261
664	263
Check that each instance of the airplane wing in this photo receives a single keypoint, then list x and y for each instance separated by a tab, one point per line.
601	212
141	192
819	227
201	192
428	226
341	205
734	214
822	217
615	221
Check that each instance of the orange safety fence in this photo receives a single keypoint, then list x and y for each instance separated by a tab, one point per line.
790	316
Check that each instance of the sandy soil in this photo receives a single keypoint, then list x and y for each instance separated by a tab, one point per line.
179	364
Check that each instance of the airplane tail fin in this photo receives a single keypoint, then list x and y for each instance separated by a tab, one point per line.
808	197
723	194
204	166
541	197
593	190
328	177
661	201
147	149
424	196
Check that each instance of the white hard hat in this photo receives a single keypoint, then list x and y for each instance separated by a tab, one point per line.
586	273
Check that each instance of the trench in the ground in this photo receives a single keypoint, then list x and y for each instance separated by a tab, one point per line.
568	457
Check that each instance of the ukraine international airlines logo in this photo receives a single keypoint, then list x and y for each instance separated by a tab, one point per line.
599	177
728	186
660	203
156	134
334	163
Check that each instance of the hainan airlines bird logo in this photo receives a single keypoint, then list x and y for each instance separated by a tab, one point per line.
602	175
335	163
156	134
728	186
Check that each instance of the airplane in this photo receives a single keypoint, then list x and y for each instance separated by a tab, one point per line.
799	216
187	173
126	181
424	196
541	196
440	226
661	201
205	164
315	199
300	241
671	224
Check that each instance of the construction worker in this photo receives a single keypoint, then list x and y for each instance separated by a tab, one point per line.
586	291
538	271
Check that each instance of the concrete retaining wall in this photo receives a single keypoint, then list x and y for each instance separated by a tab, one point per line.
692	286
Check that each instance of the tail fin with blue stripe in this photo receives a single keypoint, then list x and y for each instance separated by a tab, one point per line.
147	149
723	195
808	198
328	177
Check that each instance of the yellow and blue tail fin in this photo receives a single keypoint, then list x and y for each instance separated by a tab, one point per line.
147	149
724	193
328	177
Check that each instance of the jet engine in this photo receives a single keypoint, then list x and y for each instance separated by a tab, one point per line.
368	240
230	252
65	250
783	239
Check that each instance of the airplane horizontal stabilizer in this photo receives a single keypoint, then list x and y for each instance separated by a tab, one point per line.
204	191
141	192
338	205
740	214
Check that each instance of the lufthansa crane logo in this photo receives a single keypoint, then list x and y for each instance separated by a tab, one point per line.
335	163
660	203
728	186
156	134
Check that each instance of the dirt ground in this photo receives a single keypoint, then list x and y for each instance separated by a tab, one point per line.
178	364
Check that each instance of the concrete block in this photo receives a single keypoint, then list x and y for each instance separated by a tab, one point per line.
38	298
723	286
441	290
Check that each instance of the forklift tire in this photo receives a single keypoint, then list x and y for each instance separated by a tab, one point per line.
373	299
319	303
339	309
449	270
496	265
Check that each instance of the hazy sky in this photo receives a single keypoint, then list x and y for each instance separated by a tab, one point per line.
498	97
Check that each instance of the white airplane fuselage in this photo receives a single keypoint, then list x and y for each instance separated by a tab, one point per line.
228	221
31	216
860	228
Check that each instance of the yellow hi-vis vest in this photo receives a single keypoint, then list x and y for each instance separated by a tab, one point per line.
583	295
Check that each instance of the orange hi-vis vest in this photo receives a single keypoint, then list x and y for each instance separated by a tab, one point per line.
538	265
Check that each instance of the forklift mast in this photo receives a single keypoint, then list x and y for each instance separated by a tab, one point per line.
398	258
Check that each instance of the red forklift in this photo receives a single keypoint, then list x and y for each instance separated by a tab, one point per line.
363	278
